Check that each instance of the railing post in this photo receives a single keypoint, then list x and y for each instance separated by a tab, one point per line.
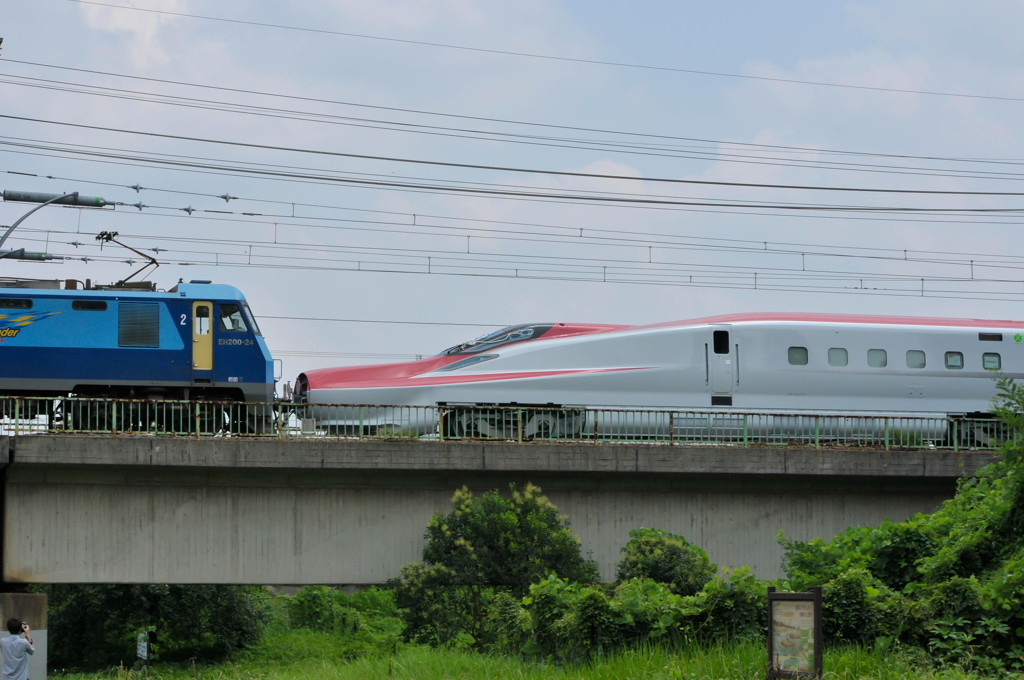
956	435
886	434
519	423
817	432
745	424
671	427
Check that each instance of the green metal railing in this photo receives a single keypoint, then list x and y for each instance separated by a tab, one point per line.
522	424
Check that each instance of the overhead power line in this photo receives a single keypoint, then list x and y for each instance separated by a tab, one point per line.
724	152
549	57
497	168
730	144
447	226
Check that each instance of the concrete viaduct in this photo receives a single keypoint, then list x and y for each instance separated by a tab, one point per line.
101	509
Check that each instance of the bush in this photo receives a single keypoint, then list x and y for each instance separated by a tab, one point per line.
94	627
331	610
952	581
571	621
732	606
482	551
651	612
856	607
665	558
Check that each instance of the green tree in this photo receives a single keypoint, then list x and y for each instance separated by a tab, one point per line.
952	581
484	546
666	558
95	626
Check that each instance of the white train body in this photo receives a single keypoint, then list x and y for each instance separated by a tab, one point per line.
779	363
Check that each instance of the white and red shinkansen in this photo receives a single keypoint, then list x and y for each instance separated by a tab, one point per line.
771	362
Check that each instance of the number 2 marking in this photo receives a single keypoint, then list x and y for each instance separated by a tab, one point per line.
183	319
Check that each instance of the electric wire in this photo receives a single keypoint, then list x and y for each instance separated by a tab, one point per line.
574	128
610	237
507	137
498	168
531	55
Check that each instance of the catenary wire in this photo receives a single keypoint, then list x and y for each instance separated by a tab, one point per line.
531	55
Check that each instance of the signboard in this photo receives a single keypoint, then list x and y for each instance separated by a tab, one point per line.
794	634
142	646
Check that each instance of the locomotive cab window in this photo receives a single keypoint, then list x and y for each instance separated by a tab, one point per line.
251	318
991	361
838	356
202	320
954	360
877	358
231	318
915	358
797	356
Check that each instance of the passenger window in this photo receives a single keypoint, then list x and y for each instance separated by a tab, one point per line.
991	361
915	358
231	318
954	360
877	358
798	356
838	356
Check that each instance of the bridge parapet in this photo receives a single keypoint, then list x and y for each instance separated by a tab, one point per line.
547	457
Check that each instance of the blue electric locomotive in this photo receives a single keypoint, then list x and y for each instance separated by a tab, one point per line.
196	341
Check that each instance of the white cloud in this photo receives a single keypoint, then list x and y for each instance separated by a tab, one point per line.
142	29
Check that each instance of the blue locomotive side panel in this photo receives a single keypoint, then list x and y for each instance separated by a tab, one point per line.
197	340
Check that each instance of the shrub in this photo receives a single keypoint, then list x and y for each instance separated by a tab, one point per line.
732	606
651	612
571	621
665	558
95	626
856	607
484	548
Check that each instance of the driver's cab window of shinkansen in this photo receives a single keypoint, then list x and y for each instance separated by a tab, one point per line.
499	338
231	318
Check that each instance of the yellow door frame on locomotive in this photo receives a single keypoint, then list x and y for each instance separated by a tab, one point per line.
202	336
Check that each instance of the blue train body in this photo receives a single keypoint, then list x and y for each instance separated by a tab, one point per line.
195	341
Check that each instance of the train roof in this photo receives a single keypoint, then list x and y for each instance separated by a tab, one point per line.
71	287
826	318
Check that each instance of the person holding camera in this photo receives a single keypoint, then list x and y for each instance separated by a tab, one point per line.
16	650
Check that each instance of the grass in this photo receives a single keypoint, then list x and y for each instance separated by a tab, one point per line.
308	655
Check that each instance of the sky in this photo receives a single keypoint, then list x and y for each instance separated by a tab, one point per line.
386	179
